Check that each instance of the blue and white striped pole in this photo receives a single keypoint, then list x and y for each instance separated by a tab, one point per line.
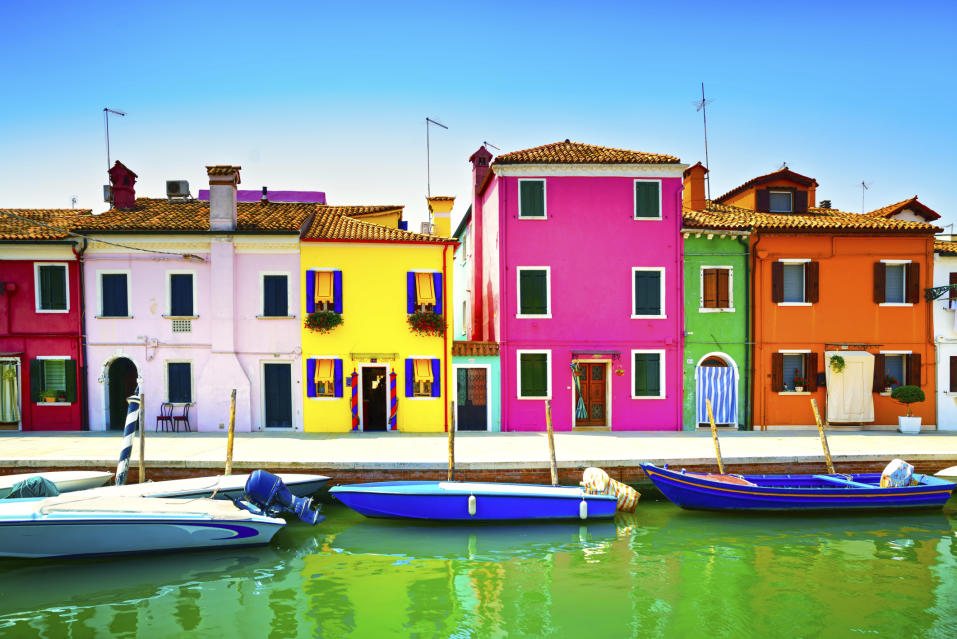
132	419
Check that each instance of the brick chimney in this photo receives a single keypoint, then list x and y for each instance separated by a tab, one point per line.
223	179
693	194
122	181
440	208
480	167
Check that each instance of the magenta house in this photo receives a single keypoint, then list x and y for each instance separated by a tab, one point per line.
578	276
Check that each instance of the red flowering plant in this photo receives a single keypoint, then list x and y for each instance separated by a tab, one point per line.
427	323
323	321
798	380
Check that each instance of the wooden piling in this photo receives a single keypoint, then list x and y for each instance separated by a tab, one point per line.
451	474
551	442
714	436
820	430
232	430
142	442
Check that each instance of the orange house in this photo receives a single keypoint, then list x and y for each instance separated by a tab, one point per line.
832	291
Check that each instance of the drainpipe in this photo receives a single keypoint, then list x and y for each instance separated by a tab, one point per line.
445	337
748	425
82	381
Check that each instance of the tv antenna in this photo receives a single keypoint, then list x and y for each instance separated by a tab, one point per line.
864	187
428	165
106	125
487	143
73	202
702	106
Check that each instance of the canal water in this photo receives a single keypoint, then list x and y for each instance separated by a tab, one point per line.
661	573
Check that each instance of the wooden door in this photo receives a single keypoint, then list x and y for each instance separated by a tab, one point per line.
277	392
592	382
471	399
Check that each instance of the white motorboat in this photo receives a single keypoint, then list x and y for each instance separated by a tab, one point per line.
949	474
222	486
64	480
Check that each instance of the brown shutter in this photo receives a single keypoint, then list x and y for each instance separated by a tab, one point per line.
710	288
810	367
777	372
913	283
913	369
723	288
800	201
762	200
811	284
777	282
953	291
880	276
953	374
878	374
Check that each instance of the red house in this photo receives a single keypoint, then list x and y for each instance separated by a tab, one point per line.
41	355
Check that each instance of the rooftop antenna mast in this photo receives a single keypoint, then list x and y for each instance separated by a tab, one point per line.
864	187
702	106
106	125
428	164
487	143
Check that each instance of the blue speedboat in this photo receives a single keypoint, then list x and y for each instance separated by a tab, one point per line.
473	501
797	493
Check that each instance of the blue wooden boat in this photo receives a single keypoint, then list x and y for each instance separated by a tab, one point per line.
844	493
473	501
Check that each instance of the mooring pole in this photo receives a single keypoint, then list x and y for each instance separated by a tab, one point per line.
551	442
142	442
232	429
451	474
714	436
820	430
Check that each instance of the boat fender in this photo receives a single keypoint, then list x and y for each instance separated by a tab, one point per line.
471	505
583	509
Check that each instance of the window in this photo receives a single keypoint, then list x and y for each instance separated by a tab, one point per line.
648	292
534	374
647	199
275	296
716	288
531	199
895	278
423	377
952	294
114	295
51	288
323	290
323	377
534	291
896	282
793	370
895	367
953	374
780	202
793	283
181	295
53	380
647	374
424	292
794	374
179	382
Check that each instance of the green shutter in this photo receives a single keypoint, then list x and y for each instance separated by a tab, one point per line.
533	289
532	198
52	288
647	200
647	292
647	374
36	379
533	370
70	370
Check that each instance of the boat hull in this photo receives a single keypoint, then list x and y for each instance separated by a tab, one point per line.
449	501
223	486
804	493
64	480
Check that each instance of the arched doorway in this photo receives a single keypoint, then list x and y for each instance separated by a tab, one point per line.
716	378
121	383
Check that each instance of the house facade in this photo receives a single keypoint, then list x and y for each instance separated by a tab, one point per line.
945	332
578	276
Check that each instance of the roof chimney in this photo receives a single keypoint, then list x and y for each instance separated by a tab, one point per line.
440	207
223	179
825	204
480	167
693	196
122	180
265	197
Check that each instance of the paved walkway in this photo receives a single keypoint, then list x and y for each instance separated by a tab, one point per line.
474	451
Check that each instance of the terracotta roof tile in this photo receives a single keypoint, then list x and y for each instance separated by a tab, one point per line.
336	223
475	349
13	226
945	248
362	211
781	174
925	212
222	169
568	152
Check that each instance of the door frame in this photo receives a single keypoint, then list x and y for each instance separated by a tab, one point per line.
608	395
388	399
262	396
730	363
488	393
19	366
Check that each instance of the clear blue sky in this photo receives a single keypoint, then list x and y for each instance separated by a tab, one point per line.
333	95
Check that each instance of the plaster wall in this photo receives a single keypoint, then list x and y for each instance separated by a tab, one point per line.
945	337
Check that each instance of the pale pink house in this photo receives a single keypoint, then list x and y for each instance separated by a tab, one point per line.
578	276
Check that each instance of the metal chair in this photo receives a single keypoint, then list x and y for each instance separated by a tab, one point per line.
165	417
182	418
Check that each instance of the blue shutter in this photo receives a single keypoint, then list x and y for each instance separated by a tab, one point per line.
337	293
410	293
310	377
310	291
408	378
437	283
337	366
436	379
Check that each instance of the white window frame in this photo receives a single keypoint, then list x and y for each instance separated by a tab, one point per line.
192	380
701	308
661	292
793	261
99	293
518	372
904	371
790	195
544	199
634	203
896	263
795	351
661	373
262	295
60	357
169	293
36	286
344	386
548	292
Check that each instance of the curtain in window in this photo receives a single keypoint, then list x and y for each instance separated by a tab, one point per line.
325	291
9	393
422	370
717	384
424	288
324	371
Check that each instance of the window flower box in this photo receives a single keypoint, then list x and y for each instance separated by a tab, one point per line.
426	323
323	321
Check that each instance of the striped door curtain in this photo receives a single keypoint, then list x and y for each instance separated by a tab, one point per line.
717	384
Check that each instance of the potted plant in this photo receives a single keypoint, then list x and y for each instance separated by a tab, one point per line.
889	383
799	382
837	363
48	396
908	395
426	323
323	321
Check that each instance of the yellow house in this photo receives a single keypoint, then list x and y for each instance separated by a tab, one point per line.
372	371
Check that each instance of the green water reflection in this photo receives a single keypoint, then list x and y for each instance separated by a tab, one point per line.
662	573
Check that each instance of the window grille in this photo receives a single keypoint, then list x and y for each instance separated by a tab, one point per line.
182	326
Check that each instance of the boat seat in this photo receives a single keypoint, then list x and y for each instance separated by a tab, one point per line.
725	479
844	482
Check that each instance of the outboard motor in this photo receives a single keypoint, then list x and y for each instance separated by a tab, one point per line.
267	491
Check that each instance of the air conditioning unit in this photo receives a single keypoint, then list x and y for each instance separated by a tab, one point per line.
177	189
427	228
107	193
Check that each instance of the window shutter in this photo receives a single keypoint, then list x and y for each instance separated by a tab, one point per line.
70	370
880	279
532	195
53	288
800	201
533	292
408	377
337	369
777	282
811	284
723	288
878	374
653	373
913	283
36	379
533	371
113	293
953	374
410	294
310	291
181	295
710	293
810	371
337	294
310	377
647	199
437	285
777	372
647	293
762	200
914	370
953	291
436	378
